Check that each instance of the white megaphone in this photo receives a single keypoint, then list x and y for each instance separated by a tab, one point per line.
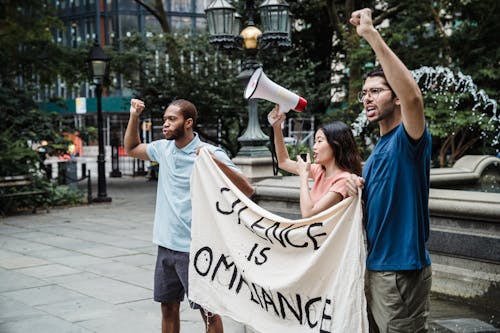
260	86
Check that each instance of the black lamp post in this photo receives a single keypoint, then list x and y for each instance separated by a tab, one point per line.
98	65
224	29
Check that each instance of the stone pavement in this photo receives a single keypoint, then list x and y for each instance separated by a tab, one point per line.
90	269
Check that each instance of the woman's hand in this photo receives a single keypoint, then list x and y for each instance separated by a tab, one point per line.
275	117
303	167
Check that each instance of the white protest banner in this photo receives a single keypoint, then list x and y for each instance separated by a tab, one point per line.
272	273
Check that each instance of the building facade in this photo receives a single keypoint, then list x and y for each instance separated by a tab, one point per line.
108	22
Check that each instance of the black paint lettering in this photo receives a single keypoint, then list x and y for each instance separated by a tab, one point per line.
263	256
250	255
326	317
226	212
257	294
256	225
308	311
268	299
275	227
196	261
296	312
290	242
282	235
239	213
313	237
227	266
240	284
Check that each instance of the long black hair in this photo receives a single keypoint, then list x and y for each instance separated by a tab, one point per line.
345	150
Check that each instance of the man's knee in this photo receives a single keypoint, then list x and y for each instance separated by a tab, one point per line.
170	310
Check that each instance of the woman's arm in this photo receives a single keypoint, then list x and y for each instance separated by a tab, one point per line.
284	161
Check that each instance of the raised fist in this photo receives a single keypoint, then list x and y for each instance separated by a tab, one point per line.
136	106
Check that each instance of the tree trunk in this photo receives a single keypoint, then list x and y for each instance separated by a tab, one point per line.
157	9
454	148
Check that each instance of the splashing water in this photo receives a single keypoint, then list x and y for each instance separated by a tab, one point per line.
442	80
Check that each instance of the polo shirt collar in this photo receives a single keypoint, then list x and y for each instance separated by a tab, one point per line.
192	146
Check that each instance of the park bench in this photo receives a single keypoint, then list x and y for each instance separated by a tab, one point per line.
18	187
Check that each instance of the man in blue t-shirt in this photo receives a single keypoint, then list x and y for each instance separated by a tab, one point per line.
396	195
172	227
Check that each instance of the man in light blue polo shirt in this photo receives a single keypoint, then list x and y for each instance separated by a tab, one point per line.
172	227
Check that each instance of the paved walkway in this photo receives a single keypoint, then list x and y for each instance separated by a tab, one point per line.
90	269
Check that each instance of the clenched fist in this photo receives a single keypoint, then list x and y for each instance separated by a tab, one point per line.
136	106
362	20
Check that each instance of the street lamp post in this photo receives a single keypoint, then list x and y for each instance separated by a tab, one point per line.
224	31
98	64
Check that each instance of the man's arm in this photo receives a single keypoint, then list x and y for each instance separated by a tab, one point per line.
398	76
132	141
236	178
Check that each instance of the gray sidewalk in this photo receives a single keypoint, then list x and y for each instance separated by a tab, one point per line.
90	269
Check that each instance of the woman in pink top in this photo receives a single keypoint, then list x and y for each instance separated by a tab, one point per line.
336	156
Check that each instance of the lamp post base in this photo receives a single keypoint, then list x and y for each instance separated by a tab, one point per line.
255	168
115	173
101	199
254	151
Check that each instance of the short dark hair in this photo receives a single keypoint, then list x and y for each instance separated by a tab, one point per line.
345	149
379	72
187	109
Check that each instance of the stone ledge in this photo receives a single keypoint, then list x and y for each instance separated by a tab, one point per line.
467	170
471	286
455	243
465	204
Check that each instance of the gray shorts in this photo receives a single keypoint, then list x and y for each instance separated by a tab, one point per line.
171	276
398	301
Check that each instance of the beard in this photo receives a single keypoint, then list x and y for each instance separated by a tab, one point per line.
177	133
383	114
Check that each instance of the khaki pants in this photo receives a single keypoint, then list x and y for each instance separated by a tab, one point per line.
398	301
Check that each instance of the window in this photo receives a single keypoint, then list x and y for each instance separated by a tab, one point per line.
127	4
178	23
181	6
152	26
201	23
199	6
90	30
128	25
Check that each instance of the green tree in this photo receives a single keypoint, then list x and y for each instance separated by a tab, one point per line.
31	61
459	35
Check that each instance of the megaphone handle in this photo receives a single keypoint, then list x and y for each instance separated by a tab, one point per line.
284	108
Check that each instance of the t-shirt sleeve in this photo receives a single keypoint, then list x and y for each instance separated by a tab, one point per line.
222	156
153	150
339	185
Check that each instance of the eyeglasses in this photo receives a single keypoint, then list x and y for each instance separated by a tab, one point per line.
374	92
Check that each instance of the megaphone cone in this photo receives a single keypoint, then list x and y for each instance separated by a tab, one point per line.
260	86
